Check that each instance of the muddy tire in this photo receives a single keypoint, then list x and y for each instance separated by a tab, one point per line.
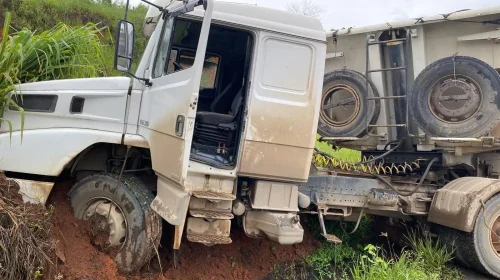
456	97
475	249
345	90
142	225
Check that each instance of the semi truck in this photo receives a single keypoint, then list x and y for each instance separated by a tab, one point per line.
217	128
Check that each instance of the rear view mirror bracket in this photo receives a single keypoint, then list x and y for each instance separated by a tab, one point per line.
124	50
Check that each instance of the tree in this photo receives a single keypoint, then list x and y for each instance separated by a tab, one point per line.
304	7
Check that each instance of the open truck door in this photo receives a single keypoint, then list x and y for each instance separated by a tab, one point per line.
169	105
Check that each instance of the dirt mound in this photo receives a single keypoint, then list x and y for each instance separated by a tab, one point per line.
76	257
24	234
245	258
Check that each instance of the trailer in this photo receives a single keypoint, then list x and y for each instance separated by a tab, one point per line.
419	99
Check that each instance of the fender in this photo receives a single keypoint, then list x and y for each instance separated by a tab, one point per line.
48	151
457	204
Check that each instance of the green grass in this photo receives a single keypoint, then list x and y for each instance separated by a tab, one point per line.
40	15
357	259
79	41
340	153
424	259
59	53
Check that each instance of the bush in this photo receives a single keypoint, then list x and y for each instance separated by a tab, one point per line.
39	15
425	259
60	53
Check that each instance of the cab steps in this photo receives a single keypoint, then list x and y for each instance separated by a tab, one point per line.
209	233
211	195
210	221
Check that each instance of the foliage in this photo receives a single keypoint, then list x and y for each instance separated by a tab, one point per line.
41	15
59	53
356	258
373	265
425	259
340	153
331	260
435	255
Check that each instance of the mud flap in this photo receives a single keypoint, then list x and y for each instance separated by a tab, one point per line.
171	202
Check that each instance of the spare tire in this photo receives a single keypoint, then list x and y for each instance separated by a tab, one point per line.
456	97
345	109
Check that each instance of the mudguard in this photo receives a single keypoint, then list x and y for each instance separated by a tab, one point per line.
48	151
457	204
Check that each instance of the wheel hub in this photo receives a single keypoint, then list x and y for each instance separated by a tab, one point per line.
455	99
340	105
495	236
108	218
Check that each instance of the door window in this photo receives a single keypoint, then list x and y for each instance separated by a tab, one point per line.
176	33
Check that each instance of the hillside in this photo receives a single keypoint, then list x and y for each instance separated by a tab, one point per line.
45	14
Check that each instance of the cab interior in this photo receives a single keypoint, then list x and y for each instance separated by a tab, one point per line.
223	88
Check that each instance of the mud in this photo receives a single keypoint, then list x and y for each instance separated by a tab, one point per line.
77	258
245	258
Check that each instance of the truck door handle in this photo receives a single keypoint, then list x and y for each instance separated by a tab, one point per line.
179	125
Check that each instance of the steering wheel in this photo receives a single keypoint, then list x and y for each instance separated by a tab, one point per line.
177	66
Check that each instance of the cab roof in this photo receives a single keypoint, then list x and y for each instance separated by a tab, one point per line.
264	19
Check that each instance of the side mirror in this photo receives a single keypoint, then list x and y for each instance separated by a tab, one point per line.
124	51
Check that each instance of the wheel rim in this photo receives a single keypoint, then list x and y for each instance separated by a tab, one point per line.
455	99
340	105
495	236
107	218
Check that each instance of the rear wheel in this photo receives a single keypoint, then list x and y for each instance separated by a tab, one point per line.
456	97
480	249
120	216
345	109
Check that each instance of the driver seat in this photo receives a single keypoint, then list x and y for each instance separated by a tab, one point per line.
222	121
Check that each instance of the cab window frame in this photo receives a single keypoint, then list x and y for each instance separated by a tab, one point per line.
158	50
180	50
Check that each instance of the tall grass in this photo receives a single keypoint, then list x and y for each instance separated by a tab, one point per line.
44	14
60	53
424	259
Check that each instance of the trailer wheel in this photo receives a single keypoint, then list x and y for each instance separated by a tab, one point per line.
345	109
480	249
456	97
121	211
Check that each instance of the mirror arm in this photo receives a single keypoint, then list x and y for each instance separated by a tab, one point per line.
147	82
154	5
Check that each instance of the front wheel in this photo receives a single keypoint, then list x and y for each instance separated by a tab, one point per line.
120	212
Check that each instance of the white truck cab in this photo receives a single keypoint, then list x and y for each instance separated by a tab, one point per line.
219	121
